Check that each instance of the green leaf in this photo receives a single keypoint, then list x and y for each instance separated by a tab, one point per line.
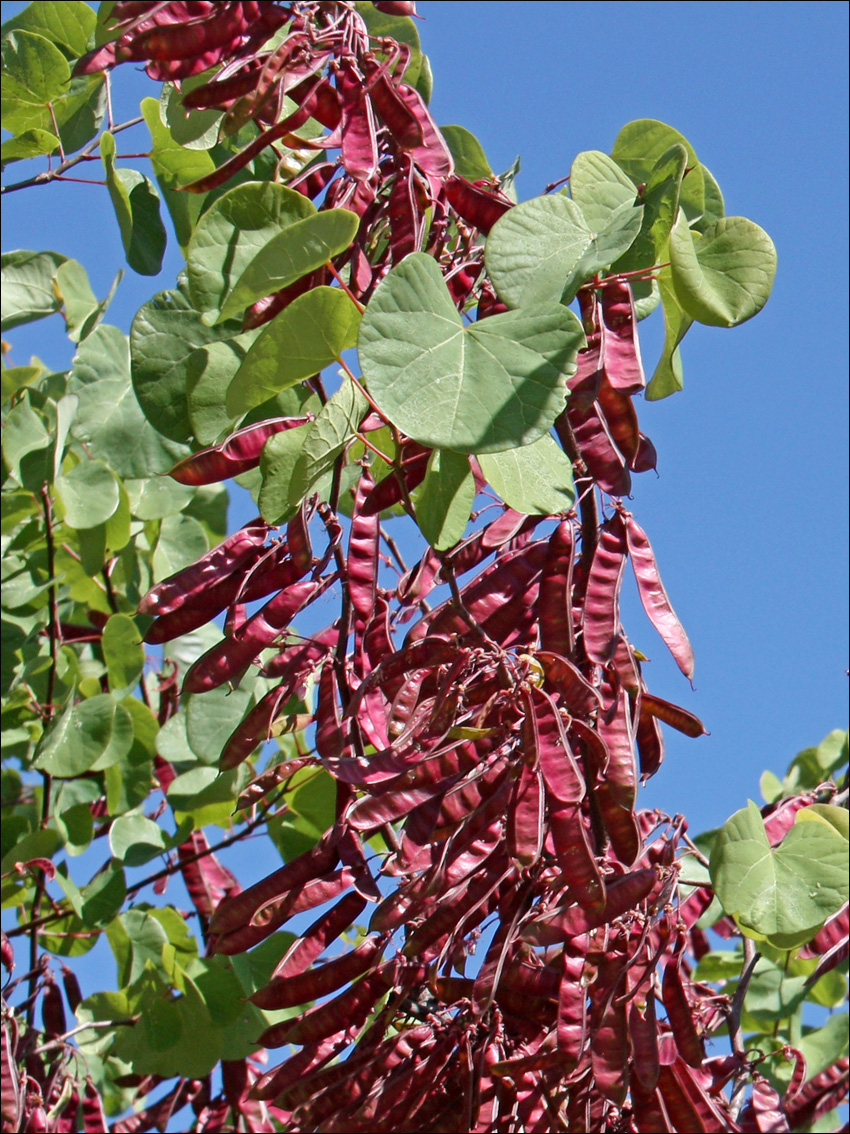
667	377
326	437
35	72
82	309
300	248
209	371
28	291
836	817
599	187
89	494
641	143
135	839
156	497
128	780
123	653
66	408
29	144
468	153
542	250
15	378
195	130
207	796
175	166
231	233
277	467
104	895
784	892
714	207
136	205
444	499
724	276
308	335
771	995
212	717
660	199
481	388
109	420
67	23
825	1046
721	965
181	541
536	479
164	333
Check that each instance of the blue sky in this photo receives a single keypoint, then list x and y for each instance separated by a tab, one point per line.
748	515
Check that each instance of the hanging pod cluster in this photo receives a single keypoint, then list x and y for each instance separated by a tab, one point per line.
499	937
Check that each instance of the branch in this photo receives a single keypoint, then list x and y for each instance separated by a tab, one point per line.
56	174
742	1078
587	500
94	1025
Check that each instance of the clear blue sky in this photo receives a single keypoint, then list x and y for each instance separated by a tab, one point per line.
749	514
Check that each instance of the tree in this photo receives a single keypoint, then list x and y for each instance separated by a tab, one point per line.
458	725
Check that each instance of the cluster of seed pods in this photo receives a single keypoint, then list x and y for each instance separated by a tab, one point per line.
486	747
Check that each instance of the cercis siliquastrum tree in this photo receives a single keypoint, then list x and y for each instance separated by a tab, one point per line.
478	713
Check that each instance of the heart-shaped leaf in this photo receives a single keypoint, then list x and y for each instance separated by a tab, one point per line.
300	248
787	892
724	276
480	388
535	479
307	336
544	249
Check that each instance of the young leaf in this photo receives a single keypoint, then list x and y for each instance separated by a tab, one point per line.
326	438
536	479
89	493
469	157
481	388
28	292
136	205
310	334
300	248
724	276
231	233
444	499
544	249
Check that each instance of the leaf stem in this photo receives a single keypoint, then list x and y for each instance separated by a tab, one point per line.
736	1038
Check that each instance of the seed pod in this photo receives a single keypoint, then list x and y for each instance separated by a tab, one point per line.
604	461
478	206
525	818
654	598
567	680
351	1009
615	794
650	744
673	715
680	1014
237	911
643	1034
622	895
362	562
238	454
313	942
193	581
556	584
602	600
94	1119
287	992
623	367
609	1042
357	127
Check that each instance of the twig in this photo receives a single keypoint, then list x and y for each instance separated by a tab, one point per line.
736	1038
53	174
94	1025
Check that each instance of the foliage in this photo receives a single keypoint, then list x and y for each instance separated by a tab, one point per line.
508	942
